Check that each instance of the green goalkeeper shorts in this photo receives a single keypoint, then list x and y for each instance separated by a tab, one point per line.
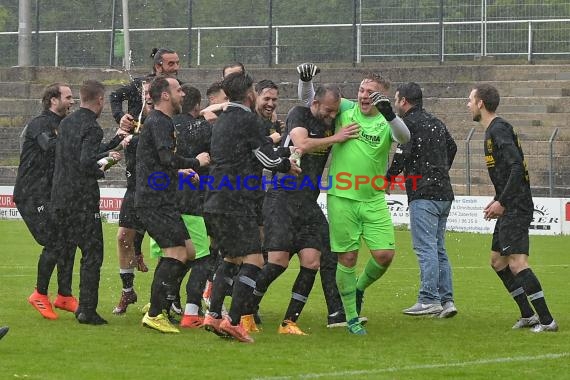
351	221
198	234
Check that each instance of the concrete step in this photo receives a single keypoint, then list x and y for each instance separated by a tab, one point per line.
446	73
8	175
508	105
531	88
541	129
288	88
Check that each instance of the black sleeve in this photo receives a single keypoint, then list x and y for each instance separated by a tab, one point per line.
513	160
45	141
88	158
112	144
169	158
397	165
165	143
283	152
263	147
36	130
451	147
118	96
132	147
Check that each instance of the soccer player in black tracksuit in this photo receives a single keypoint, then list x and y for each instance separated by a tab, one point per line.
193	136
267	94
513	208
165	62
75	194
294	222
136	95
131	230
238	150
156	205
32	194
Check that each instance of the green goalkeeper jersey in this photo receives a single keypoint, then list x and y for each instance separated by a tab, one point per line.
359	165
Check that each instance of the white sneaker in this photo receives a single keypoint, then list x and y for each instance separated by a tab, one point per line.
423	309
552	327
449	310
526	322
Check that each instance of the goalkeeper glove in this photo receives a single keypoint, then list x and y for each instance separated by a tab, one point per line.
383	105
307	71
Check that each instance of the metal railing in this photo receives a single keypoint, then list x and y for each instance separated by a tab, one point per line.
551	162
543	172
468	160
439	41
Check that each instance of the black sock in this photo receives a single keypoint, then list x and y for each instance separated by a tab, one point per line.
265	277
197	280
165	285
532	287
216	261
158	265
517	292
223	279
187	266
242	296
128	280
230	289
328	282
137	242
300	293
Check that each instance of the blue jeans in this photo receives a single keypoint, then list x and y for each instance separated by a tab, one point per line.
427	223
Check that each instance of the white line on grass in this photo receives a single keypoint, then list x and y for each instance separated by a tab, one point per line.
420	366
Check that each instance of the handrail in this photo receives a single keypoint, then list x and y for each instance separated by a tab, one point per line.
468	160
551	162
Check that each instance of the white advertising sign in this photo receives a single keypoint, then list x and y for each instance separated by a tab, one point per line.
467	214
110	203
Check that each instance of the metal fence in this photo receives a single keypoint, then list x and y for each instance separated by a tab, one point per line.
265	32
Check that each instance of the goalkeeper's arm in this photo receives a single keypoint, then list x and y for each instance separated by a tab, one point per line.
305	88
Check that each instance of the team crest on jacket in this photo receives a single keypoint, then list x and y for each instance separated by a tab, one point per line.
489	143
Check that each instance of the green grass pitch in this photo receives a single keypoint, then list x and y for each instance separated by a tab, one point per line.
477	344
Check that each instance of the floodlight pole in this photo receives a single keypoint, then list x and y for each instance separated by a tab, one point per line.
24	33
127	57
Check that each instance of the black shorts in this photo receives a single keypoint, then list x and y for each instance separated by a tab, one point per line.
511	234
236	236
128	217
38	218
165	225
292	223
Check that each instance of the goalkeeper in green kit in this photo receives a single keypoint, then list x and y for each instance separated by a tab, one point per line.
357	208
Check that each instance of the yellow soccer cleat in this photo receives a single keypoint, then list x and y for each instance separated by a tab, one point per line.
160	323
248	323
291	328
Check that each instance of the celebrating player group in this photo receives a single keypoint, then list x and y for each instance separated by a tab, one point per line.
196	184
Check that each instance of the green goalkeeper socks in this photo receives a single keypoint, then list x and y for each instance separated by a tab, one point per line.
372	272
346	282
